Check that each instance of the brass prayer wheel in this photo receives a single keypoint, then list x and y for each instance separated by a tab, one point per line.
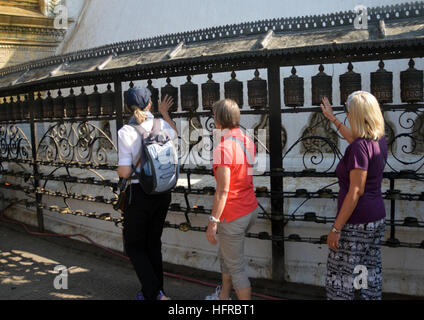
411	84
38	107
16	109
155	95
210	93
382	84
171	91
48	106
189	95
234	90
94	102
25	108
322	86
257	92
3	112
70	107
9	109
58	106
107	102
293	90
81	104
127	109
349	82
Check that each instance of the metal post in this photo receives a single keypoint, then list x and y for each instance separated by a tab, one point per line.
392	210
119	123
118	104
38	196
276	166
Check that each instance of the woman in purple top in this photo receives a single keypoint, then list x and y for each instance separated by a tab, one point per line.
354	260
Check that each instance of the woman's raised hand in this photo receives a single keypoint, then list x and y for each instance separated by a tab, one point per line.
327	110
165	104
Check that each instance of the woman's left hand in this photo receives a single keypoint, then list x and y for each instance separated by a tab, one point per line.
211	233
333	240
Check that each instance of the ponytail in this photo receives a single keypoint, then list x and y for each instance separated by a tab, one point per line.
139	115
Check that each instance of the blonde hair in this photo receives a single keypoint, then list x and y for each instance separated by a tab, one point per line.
366	119
227	113
139	115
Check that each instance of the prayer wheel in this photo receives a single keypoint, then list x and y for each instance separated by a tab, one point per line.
257	92
189	95
233	89
411	84
322	86
382	84
210	93
171	91
293	90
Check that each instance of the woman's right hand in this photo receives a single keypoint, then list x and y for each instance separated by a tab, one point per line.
327	110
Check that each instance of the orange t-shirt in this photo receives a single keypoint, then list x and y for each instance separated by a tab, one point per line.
241	198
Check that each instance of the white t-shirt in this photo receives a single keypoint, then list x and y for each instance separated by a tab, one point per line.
129	141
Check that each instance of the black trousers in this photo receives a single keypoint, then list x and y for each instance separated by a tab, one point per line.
144	219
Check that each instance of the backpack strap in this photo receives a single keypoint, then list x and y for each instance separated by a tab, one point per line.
157	126
141	131
243	147
139	128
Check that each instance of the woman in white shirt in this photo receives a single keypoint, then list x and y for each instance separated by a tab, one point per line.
144	216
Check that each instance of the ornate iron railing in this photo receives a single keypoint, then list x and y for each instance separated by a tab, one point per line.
48	139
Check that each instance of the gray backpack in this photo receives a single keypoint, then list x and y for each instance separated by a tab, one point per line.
159	160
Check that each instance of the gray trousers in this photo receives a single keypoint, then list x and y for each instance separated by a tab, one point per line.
231	249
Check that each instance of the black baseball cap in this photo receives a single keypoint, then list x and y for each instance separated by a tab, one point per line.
137	96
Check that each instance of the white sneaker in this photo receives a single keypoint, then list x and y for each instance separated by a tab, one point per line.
215	296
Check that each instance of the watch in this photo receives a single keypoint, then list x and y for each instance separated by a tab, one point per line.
335	230
213	219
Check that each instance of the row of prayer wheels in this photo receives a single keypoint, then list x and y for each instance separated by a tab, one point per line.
81	105
411	85
103	104
411	82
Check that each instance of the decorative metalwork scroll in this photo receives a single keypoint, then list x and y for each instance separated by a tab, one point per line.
14	144
407	148
82	142
319	126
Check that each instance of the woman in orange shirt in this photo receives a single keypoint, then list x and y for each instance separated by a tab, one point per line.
234	205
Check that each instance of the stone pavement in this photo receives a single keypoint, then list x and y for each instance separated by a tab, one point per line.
27	271
27	265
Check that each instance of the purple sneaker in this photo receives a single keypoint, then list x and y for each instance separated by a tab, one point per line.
140	296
